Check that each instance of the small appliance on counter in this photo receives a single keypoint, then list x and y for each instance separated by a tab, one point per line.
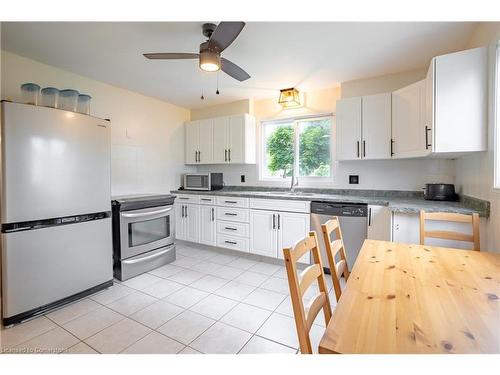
143	233
440	192
202	181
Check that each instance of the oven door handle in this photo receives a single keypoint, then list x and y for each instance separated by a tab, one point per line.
148	257
150	213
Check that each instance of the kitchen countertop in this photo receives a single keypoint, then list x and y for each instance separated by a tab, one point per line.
397	201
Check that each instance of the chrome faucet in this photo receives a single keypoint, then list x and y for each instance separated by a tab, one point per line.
295	180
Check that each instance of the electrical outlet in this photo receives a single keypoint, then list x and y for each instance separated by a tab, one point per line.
242	178
353	179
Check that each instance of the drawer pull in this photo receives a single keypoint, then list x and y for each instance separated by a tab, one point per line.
206	199
229	228
183	197
231	242
230	214
233	202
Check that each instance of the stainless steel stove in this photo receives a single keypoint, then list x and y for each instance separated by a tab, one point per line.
143	233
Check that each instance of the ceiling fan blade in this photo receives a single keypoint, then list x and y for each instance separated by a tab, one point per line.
233	70
225	34
170	56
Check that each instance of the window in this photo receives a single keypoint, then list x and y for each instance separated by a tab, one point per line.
496	151
300	144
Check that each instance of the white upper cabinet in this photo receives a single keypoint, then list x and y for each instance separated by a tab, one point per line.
223	140
220	139
376	126
364	127
445	114
408	122
199	140
348	125
458	105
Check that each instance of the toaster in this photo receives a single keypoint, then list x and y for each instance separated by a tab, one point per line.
440	192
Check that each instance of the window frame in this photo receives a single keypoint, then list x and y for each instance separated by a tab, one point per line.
295	121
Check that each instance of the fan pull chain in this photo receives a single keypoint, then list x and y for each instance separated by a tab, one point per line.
217	92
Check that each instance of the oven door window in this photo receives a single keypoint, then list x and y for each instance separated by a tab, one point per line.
147	231
197	181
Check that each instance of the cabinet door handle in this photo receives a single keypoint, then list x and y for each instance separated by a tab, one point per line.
357	148
229	228
370	217
364	149
199	156
230	214
229	155
213	215
392	146
225	155
279	224
427	145
274	222
186	211
231	242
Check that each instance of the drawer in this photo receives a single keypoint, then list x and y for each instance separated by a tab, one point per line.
232	202
233	214
280	205
233	229
207	199
187	198
232	242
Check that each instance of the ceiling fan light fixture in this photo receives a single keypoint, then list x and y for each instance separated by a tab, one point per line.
209	61
289	98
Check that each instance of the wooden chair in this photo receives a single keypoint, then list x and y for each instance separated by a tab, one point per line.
340	268
450	235
305	316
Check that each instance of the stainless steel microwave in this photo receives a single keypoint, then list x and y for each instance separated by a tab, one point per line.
202	181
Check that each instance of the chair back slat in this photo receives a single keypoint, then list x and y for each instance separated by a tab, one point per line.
314	308
340	268
308	276
450	235
304	318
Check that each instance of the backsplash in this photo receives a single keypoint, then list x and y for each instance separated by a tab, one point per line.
402	174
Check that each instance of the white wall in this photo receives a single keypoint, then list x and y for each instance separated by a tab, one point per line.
475	172
147	134
409	174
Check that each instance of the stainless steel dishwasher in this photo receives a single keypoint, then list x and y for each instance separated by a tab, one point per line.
353	218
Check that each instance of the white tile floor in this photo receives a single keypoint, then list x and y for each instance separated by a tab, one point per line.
208	301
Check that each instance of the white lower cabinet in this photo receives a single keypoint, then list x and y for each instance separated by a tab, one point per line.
187	222
263	233
292	227
208	227
379	223
271	231
227	222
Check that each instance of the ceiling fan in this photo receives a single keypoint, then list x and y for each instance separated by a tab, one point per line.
219	38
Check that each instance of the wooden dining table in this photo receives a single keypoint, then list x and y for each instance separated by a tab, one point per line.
403	298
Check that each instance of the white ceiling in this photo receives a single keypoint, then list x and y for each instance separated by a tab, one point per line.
276	55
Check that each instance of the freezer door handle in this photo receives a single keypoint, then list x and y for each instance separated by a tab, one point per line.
150	213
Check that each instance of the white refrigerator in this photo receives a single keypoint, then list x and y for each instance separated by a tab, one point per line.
56	243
